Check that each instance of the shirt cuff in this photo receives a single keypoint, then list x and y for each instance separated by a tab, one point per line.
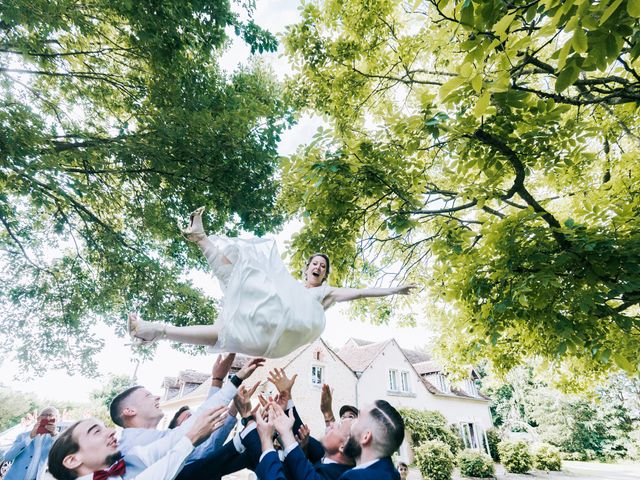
264	454
290	405
290	449
214	390
237	443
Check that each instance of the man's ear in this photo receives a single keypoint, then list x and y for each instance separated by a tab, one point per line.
72	462
129	412
366	438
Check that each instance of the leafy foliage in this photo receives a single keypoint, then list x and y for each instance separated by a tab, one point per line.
493	439
435	460
601	427
427	425
547	457
515	456
485	150
14	406
475	464
116	122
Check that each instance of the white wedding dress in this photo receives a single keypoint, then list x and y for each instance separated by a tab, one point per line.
265	311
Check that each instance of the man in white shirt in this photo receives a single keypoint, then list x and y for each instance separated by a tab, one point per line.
138	412
89	451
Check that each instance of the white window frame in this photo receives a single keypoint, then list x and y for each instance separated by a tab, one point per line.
405	382
393	380
314	370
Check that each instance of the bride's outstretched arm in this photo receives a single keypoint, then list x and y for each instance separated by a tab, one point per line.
348	294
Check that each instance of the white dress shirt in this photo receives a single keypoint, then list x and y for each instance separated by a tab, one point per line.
158	465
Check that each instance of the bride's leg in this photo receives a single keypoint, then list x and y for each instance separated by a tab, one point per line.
152	331
195	233
193	334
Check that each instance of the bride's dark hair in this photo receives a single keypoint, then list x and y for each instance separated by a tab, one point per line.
326	259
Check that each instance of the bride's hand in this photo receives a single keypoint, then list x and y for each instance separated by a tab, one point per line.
405	289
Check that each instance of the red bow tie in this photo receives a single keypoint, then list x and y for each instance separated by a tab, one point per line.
116	470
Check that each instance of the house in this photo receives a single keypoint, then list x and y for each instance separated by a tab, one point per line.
360	372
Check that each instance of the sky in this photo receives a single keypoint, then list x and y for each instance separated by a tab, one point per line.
117	357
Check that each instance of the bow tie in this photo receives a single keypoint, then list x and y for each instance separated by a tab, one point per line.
116	470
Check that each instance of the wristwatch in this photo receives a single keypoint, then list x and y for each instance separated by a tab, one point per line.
245	420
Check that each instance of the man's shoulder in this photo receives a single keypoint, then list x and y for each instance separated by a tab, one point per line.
130	437
383	469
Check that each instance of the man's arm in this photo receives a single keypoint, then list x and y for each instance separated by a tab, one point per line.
22	441
167	466
270	467
151	453
297	467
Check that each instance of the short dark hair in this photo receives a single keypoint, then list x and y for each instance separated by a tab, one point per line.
392	426
326	259
115	408
64	445
174	421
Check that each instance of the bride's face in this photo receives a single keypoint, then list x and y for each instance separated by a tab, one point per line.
316	271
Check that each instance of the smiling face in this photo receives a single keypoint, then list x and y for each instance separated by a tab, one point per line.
144	405
316	272
97	447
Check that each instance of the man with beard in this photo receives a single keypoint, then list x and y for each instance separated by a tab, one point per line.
375	435
88	450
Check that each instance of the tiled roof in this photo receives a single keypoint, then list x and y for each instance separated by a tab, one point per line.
191	376
430	366
359	358
415	356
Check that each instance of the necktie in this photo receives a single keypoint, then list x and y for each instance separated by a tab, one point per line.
116	470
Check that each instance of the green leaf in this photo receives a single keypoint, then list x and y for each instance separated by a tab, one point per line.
501	26
633	8
579	41
482	104
567	77
609	11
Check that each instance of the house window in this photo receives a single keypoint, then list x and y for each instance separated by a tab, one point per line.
404	376
317	375
399	381
471	387
316	355
393	380
442	383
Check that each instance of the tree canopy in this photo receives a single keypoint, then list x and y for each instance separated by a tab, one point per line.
486	150
116	121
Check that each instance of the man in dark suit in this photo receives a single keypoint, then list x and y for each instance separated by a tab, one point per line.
296	466
375	435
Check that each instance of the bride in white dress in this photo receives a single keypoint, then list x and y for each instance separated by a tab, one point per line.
265	311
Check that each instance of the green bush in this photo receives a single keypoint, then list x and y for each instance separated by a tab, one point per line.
475	464
435	460
429	425
547	457
494	439
515	456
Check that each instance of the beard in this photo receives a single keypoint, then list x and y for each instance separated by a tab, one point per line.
111	459
352	448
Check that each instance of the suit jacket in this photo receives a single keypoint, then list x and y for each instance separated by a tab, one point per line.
298	467
223	461
270	468
24	451
315	450
383	469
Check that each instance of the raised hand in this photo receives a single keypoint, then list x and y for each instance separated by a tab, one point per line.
283	423
265	427
242	400
220	368
282	382
207	423
326	404
405	289
303	436
250	367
